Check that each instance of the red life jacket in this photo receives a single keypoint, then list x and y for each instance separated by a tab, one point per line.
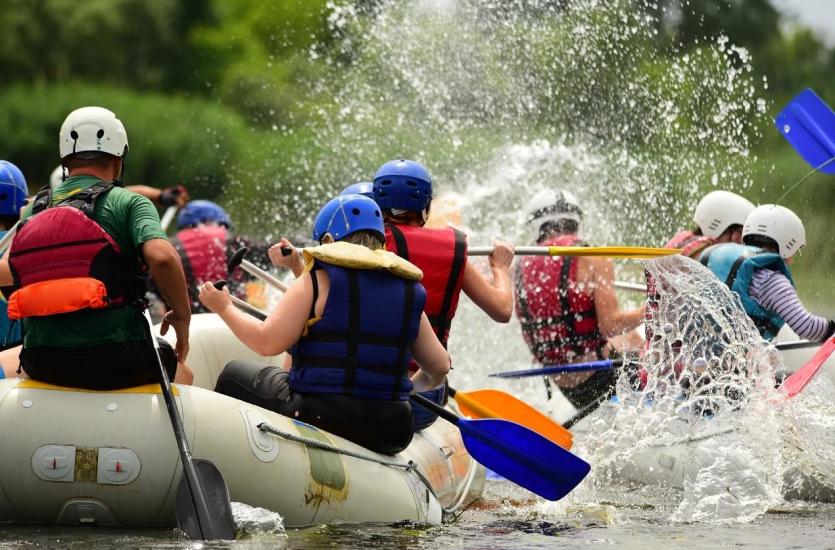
559	321
691	245
442	255
61	260
204	253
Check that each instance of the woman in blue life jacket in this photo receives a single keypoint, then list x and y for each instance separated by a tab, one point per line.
352	327
758	272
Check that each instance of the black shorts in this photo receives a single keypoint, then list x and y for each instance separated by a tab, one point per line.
101	367
380	425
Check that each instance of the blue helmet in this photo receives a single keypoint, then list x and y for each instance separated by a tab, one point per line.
365	188
201	211
348	214
403	184
13	189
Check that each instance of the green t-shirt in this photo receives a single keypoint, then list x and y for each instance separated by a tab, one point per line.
131	220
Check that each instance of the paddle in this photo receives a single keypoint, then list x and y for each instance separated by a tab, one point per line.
637	287
168	217
241	304
795	383
638	252
237	259
202	504
488	403
808	124
516	453
606	364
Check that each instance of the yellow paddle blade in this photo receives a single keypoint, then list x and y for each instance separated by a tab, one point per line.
639	252
498	404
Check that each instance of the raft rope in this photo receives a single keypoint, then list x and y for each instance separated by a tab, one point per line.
410	466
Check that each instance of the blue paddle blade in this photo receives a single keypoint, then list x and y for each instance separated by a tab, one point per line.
603	364
808	124
523	456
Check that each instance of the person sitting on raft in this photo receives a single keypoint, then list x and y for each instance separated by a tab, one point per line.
567	305
352	327
758	272
77	265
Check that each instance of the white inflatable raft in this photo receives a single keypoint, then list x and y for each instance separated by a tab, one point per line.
109	458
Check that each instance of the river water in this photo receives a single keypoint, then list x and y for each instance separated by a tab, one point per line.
500	99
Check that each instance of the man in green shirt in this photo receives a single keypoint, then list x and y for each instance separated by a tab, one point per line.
109	347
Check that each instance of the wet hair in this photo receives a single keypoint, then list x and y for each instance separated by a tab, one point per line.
560	227
368	239
761	241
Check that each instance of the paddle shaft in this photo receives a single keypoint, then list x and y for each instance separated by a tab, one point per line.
256	271
7	238
240	304
447	415
599	251
196	490
168	217
637	287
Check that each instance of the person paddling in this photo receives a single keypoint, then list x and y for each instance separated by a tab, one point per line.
352	323
205	243
567	305
76	266
403	189
758	272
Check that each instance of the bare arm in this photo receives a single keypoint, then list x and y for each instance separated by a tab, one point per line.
494	297
431	356
170	196
610	319
283	326
167	272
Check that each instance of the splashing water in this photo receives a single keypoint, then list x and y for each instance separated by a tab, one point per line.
709	419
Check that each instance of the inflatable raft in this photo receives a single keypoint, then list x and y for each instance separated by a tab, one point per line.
109	458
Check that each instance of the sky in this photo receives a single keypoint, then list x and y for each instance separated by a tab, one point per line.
818	15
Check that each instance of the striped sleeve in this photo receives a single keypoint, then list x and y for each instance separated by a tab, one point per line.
775	293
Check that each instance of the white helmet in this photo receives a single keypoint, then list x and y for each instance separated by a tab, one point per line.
552	205
778	223
90	131
57	177
718	210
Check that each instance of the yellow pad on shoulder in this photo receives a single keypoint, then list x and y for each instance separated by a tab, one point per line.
29	384
355	256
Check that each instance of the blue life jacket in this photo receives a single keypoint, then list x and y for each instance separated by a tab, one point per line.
360	346
734	264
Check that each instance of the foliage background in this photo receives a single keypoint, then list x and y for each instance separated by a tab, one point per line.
237	100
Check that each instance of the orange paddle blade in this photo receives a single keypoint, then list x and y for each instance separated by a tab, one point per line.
498	404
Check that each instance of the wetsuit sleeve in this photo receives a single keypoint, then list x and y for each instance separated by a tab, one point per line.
143	221
776	293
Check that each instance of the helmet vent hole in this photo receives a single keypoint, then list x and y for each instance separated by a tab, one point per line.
100	133
74	134
3	196
355	211
377	213
411	183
